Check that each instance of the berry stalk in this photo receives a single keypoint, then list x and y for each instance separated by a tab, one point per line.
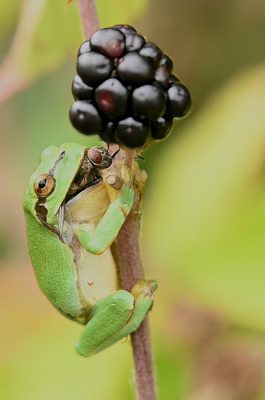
131	270
128	248
88	16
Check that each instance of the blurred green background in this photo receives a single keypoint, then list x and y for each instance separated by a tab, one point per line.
203	235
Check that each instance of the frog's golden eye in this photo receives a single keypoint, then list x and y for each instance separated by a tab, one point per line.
44	185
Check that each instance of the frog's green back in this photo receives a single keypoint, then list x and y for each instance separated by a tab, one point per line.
53	264
52	260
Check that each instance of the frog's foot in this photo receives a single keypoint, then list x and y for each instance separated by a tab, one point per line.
115	317
143	293
143	289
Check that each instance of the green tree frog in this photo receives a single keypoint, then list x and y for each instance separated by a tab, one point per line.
74	210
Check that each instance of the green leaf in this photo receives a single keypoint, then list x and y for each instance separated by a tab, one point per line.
208	200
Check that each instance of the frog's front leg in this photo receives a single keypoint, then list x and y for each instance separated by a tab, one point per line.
109	226
115	317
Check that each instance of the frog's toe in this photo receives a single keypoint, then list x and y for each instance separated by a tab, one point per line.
144	288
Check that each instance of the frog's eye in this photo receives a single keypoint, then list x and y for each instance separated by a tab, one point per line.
44	185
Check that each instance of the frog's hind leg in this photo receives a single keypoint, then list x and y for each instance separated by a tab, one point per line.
115	317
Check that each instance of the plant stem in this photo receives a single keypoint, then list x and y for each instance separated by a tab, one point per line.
143	362
128	247
88	16
131	270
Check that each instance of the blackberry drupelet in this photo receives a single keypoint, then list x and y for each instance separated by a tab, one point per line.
125	90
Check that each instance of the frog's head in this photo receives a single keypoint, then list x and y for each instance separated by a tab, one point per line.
62	173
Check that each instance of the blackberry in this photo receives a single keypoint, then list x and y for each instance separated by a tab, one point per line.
108	134
84	48
93	68
167	63
133	41
111	97
80	90
151	51
161	128
85	117
179	101
108	41
162	76
173	79
134	69
125	90
132	133
148	102
125	28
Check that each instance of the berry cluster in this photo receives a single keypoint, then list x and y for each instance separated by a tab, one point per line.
125	90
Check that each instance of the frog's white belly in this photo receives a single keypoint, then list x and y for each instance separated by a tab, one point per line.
97	276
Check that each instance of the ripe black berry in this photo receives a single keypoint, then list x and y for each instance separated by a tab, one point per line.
162	76
111	97
132	133
108	133
93	68
161	128
151	51
84	48
109	41
134	41
85	118
125	90
135	69
125	28
173	79
80	90
148	102
179	101
167	63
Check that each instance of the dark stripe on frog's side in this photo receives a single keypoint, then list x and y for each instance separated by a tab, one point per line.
41	214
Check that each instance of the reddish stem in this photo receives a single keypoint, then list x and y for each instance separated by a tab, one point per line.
131	270
143	362
88	16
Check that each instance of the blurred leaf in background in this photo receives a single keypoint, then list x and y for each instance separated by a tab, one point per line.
45	34
204	219
210	214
